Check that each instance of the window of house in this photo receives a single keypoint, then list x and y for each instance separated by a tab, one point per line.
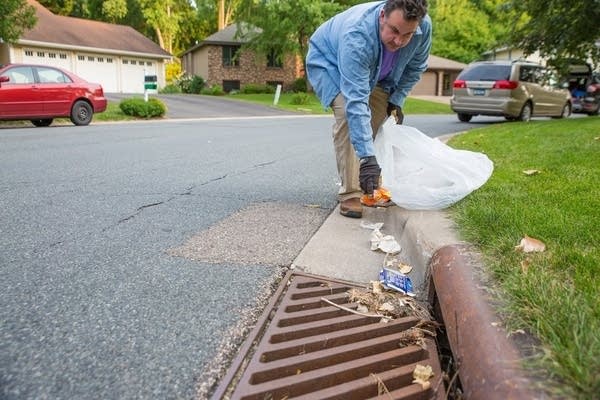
149	63
109	60
80	57
133	62
100	59
90	58
41	54
62	56
231	56
28	53
125	61
274	60
228	86
51	55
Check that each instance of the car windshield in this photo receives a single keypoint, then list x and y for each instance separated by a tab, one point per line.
486	72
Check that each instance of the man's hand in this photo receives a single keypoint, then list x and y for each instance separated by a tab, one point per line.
396	111
369	174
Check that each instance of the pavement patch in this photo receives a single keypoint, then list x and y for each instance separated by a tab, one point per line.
270	233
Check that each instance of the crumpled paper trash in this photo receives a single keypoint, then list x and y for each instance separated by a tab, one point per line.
379	241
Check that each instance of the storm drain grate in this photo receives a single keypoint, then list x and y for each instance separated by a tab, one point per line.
313	350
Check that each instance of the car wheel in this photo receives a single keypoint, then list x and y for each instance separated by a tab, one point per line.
81	113
595	112
525	113
464	117
42	122
566	111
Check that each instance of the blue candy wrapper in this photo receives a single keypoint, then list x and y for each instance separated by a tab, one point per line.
396	280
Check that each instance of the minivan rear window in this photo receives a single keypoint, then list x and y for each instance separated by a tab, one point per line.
486	72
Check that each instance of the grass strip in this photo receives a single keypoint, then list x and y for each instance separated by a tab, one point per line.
555	294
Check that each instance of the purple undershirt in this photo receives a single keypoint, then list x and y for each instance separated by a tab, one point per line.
388	62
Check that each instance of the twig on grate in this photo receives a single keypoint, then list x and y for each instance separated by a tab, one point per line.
351	310
381	388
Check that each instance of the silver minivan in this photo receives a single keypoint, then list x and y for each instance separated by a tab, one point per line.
516	90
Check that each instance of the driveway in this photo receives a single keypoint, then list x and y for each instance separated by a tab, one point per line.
198	106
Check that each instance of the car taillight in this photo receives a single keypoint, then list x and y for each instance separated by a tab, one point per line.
506	85
459	84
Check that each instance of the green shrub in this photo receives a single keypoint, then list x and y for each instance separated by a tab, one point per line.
214	90
299	85
191	84
300	98
170	89
137	107
253	88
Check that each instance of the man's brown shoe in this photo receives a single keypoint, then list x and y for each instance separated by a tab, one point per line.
351	208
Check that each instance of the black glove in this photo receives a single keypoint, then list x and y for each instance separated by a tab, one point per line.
395	110
369	174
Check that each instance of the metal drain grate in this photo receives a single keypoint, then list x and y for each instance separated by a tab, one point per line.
312	350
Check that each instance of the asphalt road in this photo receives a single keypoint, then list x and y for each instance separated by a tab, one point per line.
134	255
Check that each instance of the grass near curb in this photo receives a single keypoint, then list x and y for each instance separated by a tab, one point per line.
555	295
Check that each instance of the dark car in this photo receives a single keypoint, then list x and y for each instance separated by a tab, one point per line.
41	93
584	86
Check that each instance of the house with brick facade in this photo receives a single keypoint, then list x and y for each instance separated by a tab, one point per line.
221	60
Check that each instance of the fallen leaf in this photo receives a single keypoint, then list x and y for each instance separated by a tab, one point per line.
422	374
405	268
362	308
530	245
530	172
386	307
525	265
597	138
376	287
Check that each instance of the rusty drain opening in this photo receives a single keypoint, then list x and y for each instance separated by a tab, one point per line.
303	347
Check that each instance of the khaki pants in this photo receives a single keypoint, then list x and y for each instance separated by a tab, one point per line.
347	161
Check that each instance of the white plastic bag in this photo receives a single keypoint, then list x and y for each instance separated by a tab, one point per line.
423	173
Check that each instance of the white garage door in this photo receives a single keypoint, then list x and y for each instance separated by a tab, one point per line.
50	57
133	71
99	68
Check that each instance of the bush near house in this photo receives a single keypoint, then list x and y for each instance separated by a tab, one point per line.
170	89
137	107
214	90
192	84
299	85
252	88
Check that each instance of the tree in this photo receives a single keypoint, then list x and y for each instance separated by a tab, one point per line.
461	30
282	26
17	16
559	29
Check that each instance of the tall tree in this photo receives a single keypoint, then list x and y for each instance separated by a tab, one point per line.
164	18
559	29
461	30
17	16
283	26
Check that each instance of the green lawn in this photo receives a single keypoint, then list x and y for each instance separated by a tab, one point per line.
313	106
555	295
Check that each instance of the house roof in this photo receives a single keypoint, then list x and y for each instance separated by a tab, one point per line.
224	37
435	62
62	31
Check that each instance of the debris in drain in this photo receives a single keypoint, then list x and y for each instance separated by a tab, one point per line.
388	303
422	374
397	264
396	280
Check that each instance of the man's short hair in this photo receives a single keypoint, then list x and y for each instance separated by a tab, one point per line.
412	9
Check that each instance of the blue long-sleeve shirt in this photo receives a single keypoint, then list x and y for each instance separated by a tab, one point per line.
345	54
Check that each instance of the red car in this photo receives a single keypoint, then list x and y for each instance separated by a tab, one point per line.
41	93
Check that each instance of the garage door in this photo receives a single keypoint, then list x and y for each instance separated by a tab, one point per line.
133	71
427	85
52	57
99	68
